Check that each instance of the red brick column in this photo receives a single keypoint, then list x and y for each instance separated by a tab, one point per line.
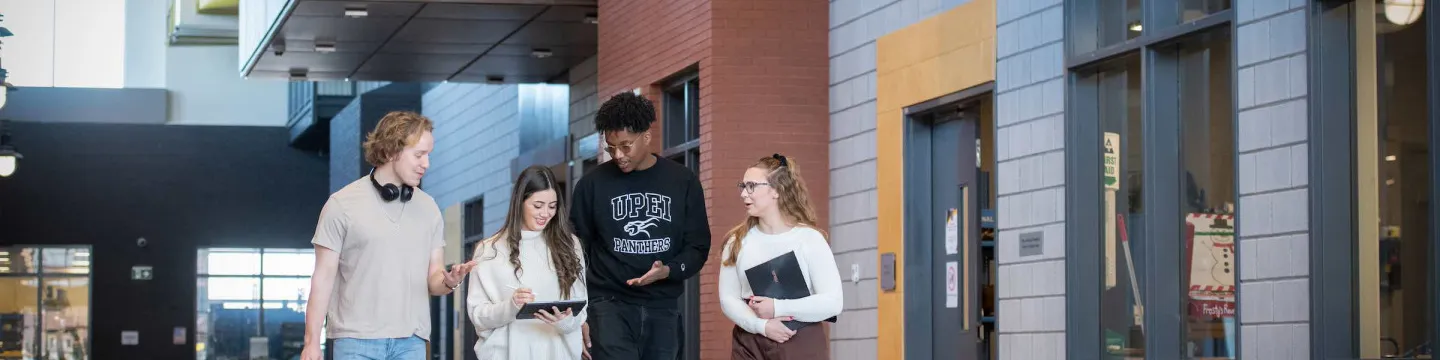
764	75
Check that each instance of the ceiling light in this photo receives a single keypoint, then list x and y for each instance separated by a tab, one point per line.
9	156
325	48
592	19
541	53
1390	158
297	74
356	12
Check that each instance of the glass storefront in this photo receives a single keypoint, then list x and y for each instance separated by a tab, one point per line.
252	299
45	303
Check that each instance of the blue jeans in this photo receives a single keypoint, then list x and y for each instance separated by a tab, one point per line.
411	348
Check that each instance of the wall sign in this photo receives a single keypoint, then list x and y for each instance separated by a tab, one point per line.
1032	243
952	232
952	285
142	272
129	338
1112	161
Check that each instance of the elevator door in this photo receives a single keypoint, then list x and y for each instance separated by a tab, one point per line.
943	321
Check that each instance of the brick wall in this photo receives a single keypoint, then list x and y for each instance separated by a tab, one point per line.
762	69
476	137
854	26
1273	218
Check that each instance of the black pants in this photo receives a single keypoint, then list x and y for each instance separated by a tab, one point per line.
625	331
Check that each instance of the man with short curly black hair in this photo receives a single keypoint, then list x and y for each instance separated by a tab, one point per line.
643	221
379	250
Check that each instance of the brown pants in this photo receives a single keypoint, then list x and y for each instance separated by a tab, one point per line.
809	343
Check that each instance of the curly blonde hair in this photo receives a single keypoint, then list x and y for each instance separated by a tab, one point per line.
395	131
784	177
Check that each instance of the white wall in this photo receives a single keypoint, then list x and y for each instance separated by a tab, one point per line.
65	43
205	89
145	39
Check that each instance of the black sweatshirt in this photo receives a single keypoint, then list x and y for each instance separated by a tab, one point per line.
628	221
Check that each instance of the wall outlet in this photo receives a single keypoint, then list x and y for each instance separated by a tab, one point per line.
855	273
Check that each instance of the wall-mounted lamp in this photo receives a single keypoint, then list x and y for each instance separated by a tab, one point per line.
9	156
1402	12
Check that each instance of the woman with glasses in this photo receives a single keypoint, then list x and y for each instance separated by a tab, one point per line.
534	257
779	228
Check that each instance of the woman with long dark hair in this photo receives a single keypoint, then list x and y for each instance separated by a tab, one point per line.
532	258
779	222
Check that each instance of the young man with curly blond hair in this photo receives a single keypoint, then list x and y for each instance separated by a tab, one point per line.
378	252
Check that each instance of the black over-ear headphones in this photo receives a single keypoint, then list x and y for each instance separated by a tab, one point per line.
389	192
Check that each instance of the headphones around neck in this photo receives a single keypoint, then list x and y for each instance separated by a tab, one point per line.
389	192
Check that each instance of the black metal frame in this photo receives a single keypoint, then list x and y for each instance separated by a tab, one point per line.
1334	262
40	275
1333	230
688	153
261	278
1163	300
920	119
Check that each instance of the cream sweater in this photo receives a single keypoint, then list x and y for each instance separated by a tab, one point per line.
817	262
492	284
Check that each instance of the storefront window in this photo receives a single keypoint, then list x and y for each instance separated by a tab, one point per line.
1119	110
1207	195
1108	22
252	300
45	303
1403	172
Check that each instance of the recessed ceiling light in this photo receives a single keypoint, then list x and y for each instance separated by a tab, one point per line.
541	53
325	48
356	11
1390	158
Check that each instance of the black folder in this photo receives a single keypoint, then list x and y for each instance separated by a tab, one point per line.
781	279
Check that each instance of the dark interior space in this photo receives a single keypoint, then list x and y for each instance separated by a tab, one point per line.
180	188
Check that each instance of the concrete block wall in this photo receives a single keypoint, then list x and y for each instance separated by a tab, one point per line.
854	27
1274	296
345	141
1030	184
476	137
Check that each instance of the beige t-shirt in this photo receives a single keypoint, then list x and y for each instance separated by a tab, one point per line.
381	288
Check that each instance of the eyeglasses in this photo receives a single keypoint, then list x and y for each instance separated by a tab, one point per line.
749	186
623	148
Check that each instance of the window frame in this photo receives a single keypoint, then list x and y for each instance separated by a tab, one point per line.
1161	127
685	150
40	275
260	277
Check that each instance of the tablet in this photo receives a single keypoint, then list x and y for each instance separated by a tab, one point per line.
528	311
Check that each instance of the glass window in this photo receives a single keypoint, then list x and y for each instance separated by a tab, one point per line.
252	293
1121	306
1191	10
44	314
682	112
296	262
1103	23
18	260
1207	194
66	312
1404	179
19	317
230	261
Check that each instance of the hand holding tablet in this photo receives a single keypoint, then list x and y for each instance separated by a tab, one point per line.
530	310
